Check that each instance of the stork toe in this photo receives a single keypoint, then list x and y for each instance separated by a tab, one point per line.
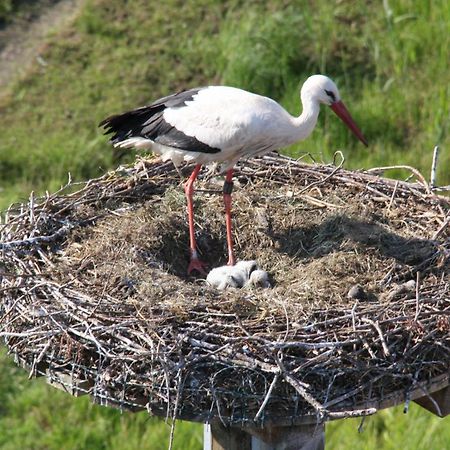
197	265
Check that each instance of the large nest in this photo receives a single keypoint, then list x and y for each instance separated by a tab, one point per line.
95	289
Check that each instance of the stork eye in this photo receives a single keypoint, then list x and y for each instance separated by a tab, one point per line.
331	95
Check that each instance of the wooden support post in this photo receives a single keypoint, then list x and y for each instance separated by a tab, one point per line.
217	437
305	437
438	402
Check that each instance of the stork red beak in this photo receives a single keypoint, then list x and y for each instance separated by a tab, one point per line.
343	113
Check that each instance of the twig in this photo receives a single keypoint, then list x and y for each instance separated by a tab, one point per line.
443	227
380	333
267	397
434	167
323	180
361	424
352	413
391	201
416	316
320	410
433	401
36	240
418	175
175	409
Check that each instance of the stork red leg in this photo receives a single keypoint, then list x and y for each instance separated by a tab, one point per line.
195	263
227	189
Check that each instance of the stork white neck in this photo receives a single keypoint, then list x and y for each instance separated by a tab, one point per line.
303	125
307	120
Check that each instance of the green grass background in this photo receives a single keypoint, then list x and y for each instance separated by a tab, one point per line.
390	60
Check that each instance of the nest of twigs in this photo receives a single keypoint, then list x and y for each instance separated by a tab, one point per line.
94	291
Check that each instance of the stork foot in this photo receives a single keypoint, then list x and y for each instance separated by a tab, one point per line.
197	265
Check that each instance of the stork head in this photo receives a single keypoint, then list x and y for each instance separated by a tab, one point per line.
321	89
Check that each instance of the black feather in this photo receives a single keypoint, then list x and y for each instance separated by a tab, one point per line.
148	122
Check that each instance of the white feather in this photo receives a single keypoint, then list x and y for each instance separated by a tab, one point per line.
139	143
237	122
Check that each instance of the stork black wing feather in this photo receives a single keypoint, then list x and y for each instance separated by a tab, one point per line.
148	122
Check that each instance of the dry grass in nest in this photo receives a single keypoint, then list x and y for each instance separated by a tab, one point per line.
94	285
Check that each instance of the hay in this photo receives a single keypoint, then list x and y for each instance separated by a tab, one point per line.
94	286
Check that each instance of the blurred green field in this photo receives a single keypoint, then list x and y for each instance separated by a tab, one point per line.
389	58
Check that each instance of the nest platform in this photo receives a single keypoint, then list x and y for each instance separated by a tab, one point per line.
95	296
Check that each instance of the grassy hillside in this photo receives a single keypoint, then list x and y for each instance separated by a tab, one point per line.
390	60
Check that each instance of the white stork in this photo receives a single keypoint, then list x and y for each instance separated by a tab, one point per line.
222	124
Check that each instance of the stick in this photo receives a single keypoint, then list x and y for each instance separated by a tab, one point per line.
175	411
434	167
36	240
266	399
386	351
417	296
318	407
442	228
432	400
323	180
393	195
414	171
351	413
